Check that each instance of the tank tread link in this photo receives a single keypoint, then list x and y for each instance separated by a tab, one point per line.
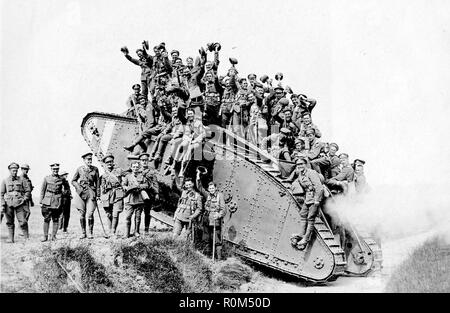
263	214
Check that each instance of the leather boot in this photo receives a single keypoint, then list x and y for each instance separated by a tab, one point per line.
83	228
309	229
127	231
115	221
90	229
137	225
10	235
45	228
302	230
147	219
25	232
55	229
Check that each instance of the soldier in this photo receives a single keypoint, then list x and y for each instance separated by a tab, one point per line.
190	63
340	181
359	178
213	214
212	96
284	120
134	185
14	194
188	209
24	169
306	123
252	80
299	150
173	130
146	63
327	164
133	101
257	128
111	192
228	98
309	194
149	174
51	200
279	144
86	181
314	146
66	204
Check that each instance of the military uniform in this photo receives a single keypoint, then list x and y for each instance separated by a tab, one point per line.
212	97
213	215
66	206
111	196
279	148
146	65
153	191
14	193
228	99
189	204
134	200
86	181
308	190
51	202
341	180
30	203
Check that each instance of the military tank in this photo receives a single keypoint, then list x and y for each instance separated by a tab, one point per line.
262	214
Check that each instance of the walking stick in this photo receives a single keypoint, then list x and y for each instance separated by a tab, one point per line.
214	242
101	222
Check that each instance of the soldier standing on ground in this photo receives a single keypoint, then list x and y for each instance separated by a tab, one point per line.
66	203
188	209
134	185
149	174
14	194
87	185
24	169
111	193
214	213
51	200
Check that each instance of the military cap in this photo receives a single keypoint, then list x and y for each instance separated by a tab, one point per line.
13	165
139	50
242	79
106	157
310	130
259	85
278	88
143	154
63	173
136	86
283	101
132	157
294	96
25	166
175	51
279	76
86	155
287	109
299	140
344	154
54	165
251	75
162	45
362	162
334	145
301	159
189	58
285	131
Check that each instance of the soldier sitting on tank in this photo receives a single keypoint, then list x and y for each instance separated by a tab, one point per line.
257	128
112	193
149	174
213	215
339	182
14	194
188	209
308	191
173	130
307	123
299	150
51	200
327	163
312	144
279	144
302	105
284	120
228	98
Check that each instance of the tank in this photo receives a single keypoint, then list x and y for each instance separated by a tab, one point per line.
262	214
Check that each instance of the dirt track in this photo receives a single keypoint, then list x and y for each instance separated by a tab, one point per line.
17	261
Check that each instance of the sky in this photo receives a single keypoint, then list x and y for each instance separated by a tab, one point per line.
378	69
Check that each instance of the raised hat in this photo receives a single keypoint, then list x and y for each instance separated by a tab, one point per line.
108	156
13	165
86	154
298	140
251	75
283	101
25	166
264	78
174	51
233	61
63	173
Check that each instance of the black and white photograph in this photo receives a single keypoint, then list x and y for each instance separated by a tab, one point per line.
232	148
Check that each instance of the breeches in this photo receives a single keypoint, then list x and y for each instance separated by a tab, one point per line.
133	208
20	212
309	212
209	230
87	207
179	226
51	214
114	209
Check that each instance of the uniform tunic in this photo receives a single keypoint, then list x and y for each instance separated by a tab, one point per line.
14	194
189	203
51	197
111	191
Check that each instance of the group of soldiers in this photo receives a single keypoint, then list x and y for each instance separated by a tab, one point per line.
174	105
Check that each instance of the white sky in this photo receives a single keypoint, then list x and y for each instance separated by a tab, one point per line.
379	70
